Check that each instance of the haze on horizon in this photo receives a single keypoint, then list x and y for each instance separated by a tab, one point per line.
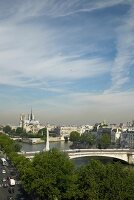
71	61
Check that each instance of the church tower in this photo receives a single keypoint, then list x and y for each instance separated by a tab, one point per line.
31	115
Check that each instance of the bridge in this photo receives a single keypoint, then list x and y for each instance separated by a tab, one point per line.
126	155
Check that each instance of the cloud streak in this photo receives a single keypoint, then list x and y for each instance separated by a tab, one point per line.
125	50
69	57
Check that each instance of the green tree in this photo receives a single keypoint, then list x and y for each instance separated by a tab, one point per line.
88	139
42	131
19	130
7	129
90	178
74	136
104	141
51	176
16	147
97	181
8	145
12	132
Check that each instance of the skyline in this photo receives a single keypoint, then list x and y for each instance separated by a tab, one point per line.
71	61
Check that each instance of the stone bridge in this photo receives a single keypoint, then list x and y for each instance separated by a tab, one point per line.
126	155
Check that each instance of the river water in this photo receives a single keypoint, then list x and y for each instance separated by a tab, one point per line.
39	147
63	146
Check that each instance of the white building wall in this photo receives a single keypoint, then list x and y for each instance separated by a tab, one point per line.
66	130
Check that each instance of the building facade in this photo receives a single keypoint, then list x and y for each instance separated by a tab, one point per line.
29	123
127	138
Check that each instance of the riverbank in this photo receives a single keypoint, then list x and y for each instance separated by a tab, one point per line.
39	140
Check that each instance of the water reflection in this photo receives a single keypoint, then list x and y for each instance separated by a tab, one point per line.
39	147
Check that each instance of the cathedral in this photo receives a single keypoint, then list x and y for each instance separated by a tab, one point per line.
29	123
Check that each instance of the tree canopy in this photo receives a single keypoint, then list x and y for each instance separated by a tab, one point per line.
8	145
7	129
74	136
85	140
104	141
50	176
105	182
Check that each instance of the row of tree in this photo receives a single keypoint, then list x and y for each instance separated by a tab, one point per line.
22	132
7	145
53	176
87	140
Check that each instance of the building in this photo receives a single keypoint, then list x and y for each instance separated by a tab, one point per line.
86	128
66	130
29	123
115	135
127	138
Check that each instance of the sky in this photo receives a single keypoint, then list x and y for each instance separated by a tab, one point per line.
72	62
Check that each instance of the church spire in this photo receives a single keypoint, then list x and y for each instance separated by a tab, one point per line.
31	115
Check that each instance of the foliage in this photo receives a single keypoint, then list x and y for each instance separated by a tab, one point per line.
19	130
51	175
105	182
88	139
74	136
16	147
89	179
42	131
8	145
7	129
85	140
104	141
12	132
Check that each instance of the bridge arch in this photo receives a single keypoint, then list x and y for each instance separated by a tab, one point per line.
120	156
101	158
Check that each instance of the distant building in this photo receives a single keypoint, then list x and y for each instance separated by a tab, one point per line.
66	130
86	128
127	138
29	123
115	135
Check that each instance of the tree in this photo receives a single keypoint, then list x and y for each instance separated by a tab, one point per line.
74	136
12	132
105	182
51	176
7	129
8	145
42	131
90	178
16	147
19	130
88	139
104	141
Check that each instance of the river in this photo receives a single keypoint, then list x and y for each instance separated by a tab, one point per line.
63	146
39	147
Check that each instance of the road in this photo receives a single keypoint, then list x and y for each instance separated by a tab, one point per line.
6	190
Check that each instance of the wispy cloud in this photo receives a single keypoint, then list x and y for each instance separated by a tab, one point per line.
20	11
30	54
52	51
125	50
59	8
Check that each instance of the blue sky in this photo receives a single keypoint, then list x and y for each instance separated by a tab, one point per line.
71	61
